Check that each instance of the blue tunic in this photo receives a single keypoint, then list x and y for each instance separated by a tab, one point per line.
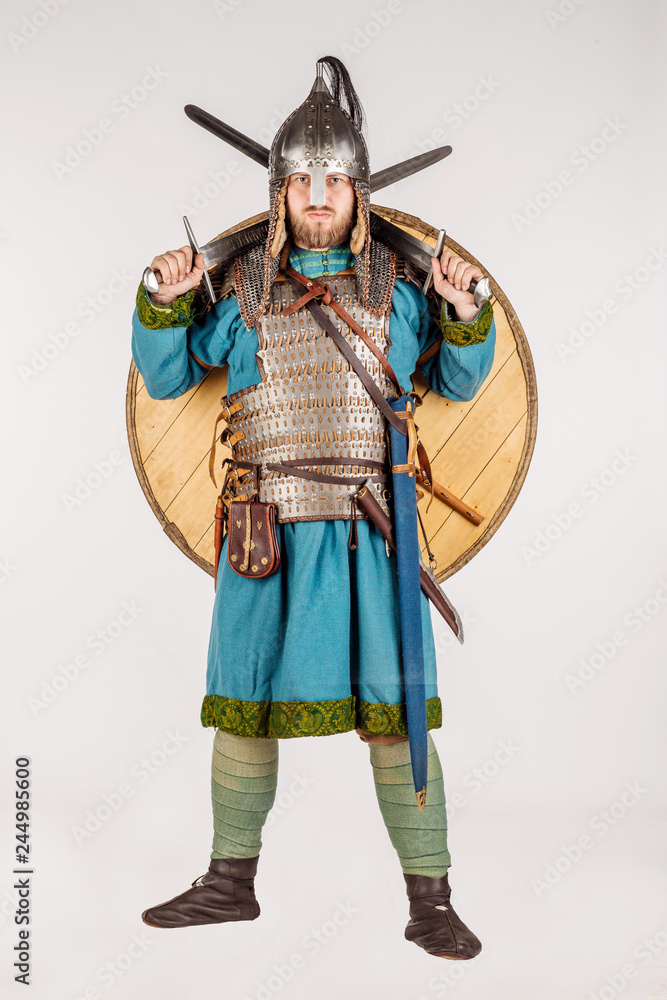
313	649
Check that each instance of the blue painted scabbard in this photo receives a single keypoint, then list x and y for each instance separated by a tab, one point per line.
409	590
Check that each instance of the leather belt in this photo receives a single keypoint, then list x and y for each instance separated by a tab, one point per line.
320	477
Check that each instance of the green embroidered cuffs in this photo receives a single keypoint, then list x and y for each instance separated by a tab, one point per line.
463	334
285	719
153	317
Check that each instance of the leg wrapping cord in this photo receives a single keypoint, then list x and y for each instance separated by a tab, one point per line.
419	838
243	787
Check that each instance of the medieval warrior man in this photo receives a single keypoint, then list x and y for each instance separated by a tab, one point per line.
321	645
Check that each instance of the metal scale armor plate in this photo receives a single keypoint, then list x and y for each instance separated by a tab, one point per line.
310	404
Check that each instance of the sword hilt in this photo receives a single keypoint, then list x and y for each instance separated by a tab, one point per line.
149	278
481	289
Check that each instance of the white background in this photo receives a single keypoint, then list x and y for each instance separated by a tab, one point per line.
550	591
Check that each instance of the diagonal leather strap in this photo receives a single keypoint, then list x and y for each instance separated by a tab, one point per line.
328	300
313	293
354	326
348	353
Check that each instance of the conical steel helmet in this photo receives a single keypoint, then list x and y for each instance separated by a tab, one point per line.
319	138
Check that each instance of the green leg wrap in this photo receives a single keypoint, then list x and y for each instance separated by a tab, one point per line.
420	838
243	787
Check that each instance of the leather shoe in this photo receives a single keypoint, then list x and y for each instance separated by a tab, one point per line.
434	925
225	892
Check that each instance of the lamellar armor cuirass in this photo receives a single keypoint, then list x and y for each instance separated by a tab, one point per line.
309	433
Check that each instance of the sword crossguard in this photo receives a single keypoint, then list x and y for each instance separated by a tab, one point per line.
149	277
481	290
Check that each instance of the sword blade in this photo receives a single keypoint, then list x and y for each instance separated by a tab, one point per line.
242	142
217	253
419	254
408	246
383	178
220	250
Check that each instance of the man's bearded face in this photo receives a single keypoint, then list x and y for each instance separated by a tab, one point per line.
318	227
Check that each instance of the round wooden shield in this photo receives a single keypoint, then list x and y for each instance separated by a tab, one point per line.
479	450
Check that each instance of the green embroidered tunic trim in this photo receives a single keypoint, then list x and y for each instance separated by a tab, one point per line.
464	334
179	313
285	719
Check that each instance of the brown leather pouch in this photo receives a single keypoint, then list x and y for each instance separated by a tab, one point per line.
252	549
